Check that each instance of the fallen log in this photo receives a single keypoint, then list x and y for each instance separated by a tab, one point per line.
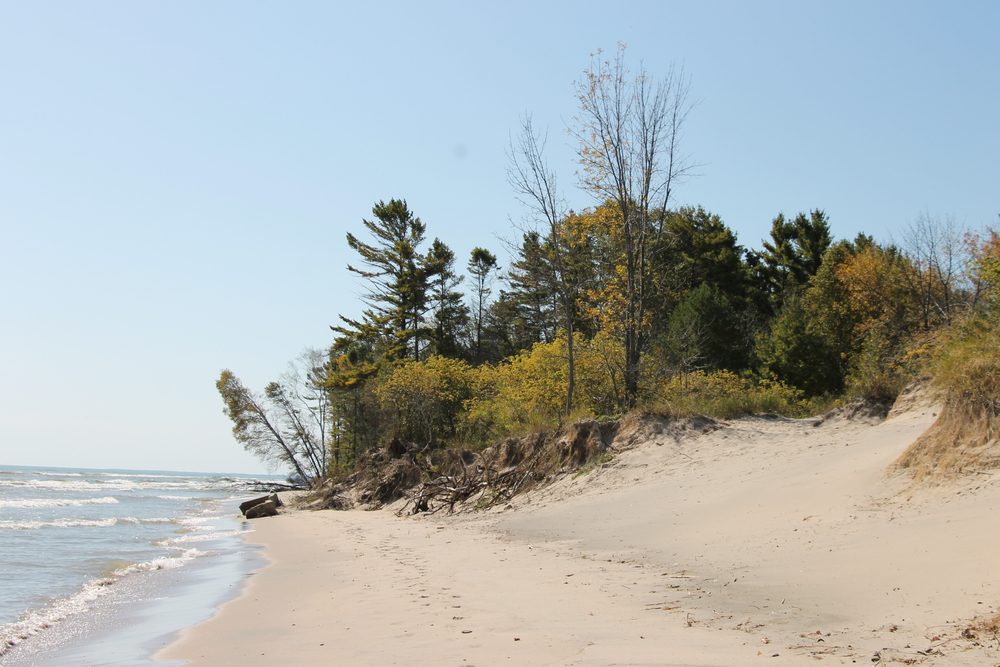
266	508
273	498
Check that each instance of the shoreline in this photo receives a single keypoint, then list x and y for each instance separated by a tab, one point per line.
767	538
141	608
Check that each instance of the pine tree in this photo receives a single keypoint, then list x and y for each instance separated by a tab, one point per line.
451	315
793	256
533	292
398	276
482	267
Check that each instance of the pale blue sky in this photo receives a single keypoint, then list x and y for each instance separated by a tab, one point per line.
177	178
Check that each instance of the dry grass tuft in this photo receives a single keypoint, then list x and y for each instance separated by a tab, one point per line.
987	626
966	437
957	443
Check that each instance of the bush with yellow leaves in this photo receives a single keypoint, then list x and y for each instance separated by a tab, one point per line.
528	391
422	401
724	395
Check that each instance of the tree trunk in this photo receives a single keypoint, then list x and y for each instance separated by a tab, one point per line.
569	355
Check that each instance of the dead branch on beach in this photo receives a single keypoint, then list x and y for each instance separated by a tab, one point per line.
482	481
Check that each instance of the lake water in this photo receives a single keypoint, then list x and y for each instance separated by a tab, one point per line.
100	567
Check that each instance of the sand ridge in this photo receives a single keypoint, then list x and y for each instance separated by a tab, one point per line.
756	540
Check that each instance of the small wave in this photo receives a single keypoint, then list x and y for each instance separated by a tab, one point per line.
132	519
82	523
25	503
64	485
60	474
145	476
161	563
121	483
193	520
32	622
200	537
58	523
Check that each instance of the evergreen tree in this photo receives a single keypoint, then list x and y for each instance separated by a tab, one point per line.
703	332
398	276
796	351
482	267
793	256
533	292
704	251
507	330
451	316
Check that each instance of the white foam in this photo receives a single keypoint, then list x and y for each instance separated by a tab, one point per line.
58	523
126	483
113	484
161	563
201	537
24	503
65	485
194	521
32	622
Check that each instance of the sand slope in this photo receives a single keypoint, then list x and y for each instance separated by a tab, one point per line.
763	541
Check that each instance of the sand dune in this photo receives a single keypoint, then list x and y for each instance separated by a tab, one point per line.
762	541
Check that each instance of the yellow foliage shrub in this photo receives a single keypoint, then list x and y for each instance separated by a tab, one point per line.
984	265
528	391
724	394
421	401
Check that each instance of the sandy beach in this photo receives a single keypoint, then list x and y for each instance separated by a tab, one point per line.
761	541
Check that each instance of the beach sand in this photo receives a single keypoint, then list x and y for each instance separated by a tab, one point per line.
764	541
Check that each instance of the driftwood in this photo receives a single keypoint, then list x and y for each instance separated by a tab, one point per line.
484	479
266	508
266	487
245	507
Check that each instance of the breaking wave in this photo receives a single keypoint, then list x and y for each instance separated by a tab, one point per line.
26	503
79	523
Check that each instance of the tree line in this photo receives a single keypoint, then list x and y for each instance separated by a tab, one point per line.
631	303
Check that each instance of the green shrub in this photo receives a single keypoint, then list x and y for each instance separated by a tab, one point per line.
880	370
725	395
797	353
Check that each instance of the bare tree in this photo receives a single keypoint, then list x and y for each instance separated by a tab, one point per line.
934	250
629	130
308	404
535	185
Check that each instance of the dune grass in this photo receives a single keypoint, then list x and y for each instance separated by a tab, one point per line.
966	377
